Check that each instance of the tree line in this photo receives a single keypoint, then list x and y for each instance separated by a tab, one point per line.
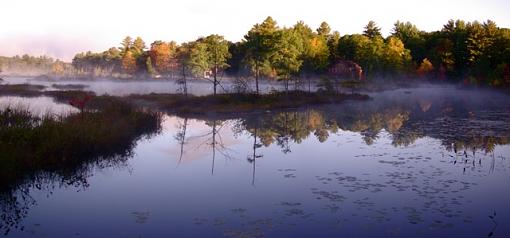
469	52
31	65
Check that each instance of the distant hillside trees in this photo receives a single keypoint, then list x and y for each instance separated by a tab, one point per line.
26	65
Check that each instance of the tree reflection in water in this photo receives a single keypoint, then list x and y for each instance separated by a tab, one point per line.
461	128
465	130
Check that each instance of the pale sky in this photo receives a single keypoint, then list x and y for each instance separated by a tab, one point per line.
61	28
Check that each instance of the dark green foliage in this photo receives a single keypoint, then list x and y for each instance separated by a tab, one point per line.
412	38
377	57
105	63
286	58
237	51
260	43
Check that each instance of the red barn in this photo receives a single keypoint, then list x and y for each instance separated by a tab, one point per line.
346	69
506	74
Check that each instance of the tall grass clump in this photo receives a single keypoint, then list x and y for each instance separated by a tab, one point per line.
31	144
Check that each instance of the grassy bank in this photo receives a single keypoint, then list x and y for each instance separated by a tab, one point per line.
30	144
27	90
180	104
239	103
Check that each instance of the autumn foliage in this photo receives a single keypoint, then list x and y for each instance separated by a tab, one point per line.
162	55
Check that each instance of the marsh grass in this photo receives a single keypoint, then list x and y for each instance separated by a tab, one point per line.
29	90
69	86
239	103
181	104
30	144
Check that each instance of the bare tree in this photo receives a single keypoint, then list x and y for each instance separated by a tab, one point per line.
181	137
253	158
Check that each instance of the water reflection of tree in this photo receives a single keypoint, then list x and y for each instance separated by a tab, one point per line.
253	157
16	201
181	136
451	122
283	138
283	128
213	139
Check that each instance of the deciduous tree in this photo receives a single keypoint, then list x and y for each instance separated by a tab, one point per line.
162	55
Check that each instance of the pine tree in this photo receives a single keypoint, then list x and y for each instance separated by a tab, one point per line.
324	29
259	44
127	44
372	31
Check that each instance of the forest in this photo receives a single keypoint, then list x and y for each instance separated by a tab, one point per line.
472	53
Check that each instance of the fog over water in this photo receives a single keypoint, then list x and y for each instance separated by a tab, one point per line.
39	105
126	87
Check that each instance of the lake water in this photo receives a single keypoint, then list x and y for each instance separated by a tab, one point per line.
425	162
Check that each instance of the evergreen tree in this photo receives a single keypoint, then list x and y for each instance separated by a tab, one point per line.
217	49
324	29
138	46
286	57
372	31
260	43
412	38
126	44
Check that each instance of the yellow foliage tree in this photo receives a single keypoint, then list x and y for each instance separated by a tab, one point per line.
425	68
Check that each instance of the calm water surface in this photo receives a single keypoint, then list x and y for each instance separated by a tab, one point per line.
420	162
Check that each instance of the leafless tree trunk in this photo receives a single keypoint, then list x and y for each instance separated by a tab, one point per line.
181	137
184	82
213	143
257	73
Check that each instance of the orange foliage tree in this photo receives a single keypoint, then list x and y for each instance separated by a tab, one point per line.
162	55
129	63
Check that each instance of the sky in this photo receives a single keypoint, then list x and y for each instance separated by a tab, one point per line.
62	28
